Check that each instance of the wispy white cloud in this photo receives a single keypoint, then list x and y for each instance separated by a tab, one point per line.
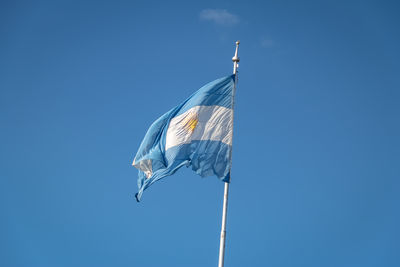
267	43
219	16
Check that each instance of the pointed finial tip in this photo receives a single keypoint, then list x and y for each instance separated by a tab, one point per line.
237	42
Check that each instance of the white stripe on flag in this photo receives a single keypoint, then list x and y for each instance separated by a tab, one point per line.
201	123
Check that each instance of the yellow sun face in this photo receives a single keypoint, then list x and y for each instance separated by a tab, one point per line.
190	122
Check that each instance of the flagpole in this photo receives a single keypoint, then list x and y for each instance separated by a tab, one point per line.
235	60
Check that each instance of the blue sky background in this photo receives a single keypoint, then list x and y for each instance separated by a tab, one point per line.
316	157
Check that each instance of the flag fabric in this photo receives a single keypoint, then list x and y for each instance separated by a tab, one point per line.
196	133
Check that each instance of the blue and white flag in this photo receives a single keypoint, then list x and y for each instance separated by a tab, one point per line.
196	133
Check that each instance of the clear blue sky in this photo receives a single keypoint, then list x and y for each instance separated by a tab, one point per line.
316	154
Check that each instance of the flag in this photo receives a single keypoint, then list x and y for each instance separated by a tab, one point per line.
196	133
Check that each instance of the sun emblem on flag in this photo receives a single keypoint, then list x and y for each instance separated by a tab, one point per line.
190	122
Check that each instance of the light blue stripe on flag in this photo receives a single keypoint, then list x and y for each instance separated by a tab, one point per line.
197	133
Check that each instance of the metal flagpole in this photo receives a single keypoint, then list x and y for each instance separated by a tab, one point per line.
235	60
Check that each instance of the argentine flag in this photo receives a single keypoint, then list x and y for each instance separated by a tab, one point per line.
197	133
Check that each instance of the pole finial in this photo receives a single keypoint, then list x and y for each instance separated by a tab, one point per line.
235	58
